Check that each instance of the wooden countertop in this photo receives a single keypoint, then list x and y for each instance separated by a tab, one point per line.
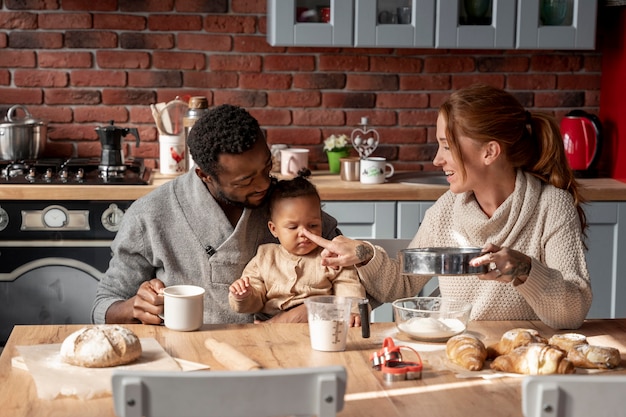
330	187
439	393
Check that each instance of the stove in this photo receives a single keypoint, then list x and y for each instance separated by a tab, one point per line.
73	171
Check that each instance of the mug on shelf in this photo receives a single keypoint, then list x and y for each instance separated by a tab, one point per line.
375	170
293	160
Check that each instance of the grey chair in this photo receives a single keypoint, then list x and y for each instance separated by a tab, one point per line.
315	391
574	395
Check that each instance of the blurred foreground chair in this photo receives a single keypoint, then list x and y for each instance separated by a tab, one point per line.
315	391
574	396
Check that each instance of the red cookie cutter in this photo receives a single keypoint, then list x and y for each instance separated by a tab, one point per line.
394	368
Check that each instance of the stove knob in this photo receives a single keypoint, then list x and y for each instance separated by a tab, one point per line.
32	173
80	175
4	219
64	175
48	175
112	217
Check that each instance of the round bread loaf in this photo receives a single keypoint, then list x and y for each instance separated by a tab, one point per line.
101	346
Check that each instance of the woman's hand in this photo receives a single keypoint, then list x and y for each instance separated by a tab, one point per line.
342	251
505	264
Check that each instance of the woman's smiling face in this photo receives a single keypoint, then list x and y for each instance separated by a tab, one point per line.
462	175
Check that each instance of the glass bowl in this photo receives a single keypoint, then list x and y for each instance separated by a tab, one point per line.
431	319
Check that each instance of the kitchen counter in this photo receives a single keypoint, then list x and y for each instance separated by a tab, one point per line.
438	393
330	187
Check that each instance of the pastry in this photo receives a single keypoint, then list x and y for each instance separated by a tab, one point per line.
467	351
513	339
567	341
534	359
591	357
101	346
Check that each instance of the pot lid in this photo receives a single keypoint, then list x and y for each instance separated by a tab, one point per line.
11	118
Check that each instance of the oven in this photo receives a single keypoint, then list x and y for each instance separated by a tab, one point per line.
54	253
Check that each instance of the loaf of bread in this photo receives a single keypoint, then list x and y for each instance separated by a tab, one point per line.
467	351
567	341
534	359
101	346
592	357
513	339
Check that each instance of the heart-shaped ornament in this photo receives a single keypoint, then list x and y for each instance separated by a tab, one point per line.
364	141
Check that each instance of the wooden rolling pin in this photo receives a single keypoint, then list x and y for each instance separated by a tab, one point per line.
230	357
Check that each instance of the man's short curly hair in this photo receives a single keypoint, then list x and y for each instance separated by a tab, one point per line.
223	129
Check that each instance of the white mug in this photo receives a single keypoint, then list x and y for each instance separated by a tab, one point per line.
293	160
375	170
183	307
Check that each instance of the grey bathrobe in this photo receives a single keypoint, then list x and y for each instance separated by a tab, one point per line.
179	234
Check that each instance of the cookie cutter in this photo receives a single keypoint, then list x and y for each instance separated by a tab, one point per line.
389	361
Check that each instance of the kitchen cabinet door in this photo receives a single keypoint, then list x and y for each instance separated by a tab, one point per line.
459	26
364	219
377	23
606	240
286	25
575	28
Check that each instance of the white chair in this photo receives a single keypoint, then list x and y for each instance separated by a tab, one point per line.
574	396
262	393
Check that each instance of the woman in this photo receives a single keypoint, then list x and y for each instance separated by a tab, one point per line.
512	193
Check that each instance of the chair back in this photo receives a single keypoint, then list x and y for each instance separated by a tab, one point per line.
315	391
573	395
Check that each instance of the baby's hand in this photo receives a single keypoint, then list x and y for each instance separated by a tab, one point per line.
240	288
355	320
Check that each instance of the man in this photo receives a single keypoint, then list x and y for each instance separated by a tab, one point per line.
200	228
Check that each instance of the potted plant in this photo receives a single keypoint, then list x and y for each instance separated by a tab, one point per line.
336	147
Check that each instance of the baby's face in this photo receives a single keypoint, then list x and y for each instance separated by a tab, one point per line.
290	217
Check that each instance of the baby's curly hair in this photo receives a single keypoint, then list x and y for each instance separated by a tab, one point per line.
299	186
223	129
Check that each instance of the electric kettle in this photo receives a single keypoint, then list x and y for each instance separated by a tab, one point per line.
582	137
110	136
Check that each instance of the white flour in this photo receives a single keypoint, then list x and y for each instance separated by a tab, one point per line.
431	328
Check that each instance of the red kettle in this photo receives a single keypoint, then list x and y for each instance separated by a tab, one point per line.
582	137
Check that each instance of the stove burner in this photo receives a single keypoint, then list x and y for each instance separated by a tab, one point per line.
85	171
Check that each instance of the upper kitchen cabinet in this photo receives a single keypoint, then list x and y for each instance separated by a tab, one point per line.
394	23
310	22
476	24
556	24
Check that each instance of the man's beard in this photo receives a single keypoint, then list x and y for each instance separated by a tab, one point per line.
221	197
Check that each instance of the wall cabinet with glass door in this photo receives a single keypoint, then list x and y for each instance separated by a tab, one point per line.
310	22
475	24
394	23
556	24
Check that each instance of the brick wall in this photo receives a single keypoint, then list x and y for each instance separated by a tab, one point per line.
80	63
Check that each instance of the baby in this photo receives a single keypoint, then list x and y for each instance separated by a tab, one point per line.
281	276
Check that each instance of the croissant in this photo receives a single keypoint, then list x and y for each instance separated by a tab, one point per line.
590	357
466	350
567	341
513	339
534	359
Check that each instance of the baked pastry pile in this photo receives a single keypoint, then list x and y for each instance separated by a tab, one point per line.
525	351
101	346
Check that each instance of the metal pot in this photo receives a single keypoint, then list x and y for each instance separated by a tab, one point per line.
440	261
23	138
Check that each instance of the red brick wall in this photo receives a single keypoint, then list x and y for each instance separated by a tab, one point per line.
80	63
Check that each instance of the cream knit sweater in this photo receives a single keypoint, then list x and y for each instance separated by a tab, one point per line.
538	220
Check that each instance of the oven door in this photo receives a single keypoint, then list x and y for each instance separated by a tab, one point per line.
49	282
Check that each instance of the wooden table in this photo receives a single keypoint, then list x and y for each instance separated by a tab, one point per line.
439	393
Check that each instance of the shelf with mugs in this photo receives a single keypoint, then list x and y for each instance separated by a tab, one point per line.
394	23
310	22
556	24
476	24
